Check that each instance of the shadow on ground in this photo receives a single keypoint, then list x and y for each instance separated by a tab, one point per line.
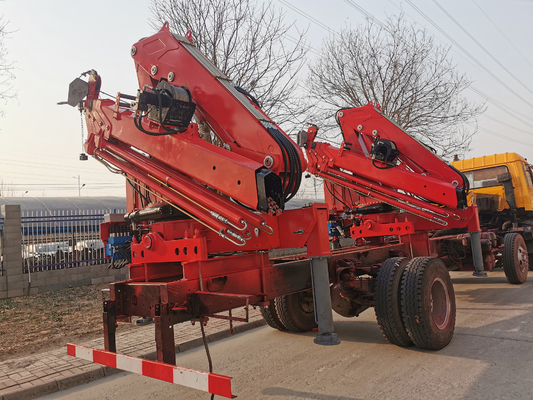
278	391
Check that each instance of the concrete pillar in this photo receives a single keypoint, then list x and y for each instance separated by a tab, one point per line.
12	250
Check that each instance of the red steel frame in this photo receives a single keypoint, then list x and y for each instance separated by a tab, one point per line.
217	259
420	183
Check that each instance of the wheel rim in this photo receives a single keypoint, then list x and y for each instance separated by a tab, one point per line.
440	303
523	259
306	302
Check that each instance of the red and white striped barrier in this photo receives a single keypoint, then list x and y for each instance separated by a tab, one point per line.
205	381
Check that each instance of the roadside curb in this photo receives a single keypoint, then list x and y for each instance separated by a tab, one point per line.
76	379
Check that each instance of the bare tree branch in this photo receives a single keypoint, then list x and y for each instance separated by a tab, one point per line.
399	67
6	67
246	42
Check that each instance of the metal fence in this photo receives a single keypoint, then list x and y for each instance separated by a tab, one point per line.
62	239
1	244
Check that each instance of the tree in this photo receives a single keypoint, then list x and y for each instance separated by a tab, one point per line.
248	43
399	67
6	190
6	66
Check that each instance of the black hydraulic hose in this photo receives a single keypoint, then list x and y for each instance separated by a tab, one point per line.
466	183
293	165
296	165
347	207
140	194
283	153
138	125
241	90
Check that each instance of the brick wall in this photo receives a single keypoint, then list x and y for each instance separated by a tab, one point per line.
16	283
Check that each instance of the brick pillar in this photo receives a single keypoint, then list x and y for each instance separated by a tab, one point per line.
12	250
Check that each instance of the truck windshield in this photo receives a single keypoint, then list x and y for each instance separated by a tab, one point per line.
485	177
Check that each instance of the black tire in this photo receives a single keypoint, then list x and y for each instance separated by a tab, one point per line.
271	317
515	258
428	303
387	298
296	311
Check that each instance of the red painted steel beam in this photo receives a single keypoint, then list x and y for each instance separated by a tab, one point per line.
230	113
187	186
214	166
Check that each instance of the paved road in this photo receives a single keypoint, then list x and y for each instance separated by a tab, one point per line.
490	357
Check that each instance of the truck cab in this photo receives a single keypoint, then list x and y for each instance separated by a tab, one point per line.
500	184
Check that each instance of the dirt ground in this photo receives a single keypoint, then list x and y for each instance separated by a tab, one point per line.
34	324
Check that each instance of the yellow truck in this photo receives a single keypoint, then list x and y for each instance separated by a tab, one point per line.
502	187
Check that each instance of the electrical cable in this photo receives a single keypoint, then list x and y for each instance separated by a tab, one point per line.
210	362
140	194
335	197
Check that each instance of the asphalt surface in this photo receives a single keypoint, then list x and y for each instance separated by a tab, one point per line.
490	357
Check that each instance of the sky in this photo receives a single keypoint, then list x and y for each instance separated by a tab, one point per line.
52	42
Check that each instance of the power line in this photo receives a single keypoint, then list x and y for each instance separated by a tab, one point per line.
45	166
503	34
481	46
504	137
507	125
479	64
488	98
310	18
60	185
503	107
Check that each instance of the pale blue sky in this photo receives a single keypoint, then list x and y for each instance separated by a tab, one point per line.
54	41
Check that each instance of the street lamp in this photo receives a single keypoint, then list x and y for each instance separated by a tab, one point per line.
79	187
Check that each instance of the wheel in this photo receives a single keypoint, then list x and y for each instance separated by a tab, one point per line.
296	311
428	303
270	315
387	301
515	258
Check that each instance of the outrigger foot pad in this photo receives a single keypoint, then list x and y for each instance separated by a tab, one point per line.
480	273
327	339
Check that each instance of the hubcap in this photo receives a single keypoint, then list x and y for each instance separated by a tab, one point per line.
523	259
306	302
440	303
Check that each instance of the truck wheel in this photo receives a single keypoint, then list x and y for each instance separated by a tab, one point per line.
515	258
387	301
270	315
428	303
297	311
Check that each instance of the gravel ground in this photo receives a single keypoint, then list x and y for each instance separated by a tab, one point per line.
38	323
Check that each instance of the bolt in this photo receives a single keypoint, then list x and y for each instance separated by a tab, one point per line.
133	50
360	128
341	114
374	133
154	70
170	76
268	162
